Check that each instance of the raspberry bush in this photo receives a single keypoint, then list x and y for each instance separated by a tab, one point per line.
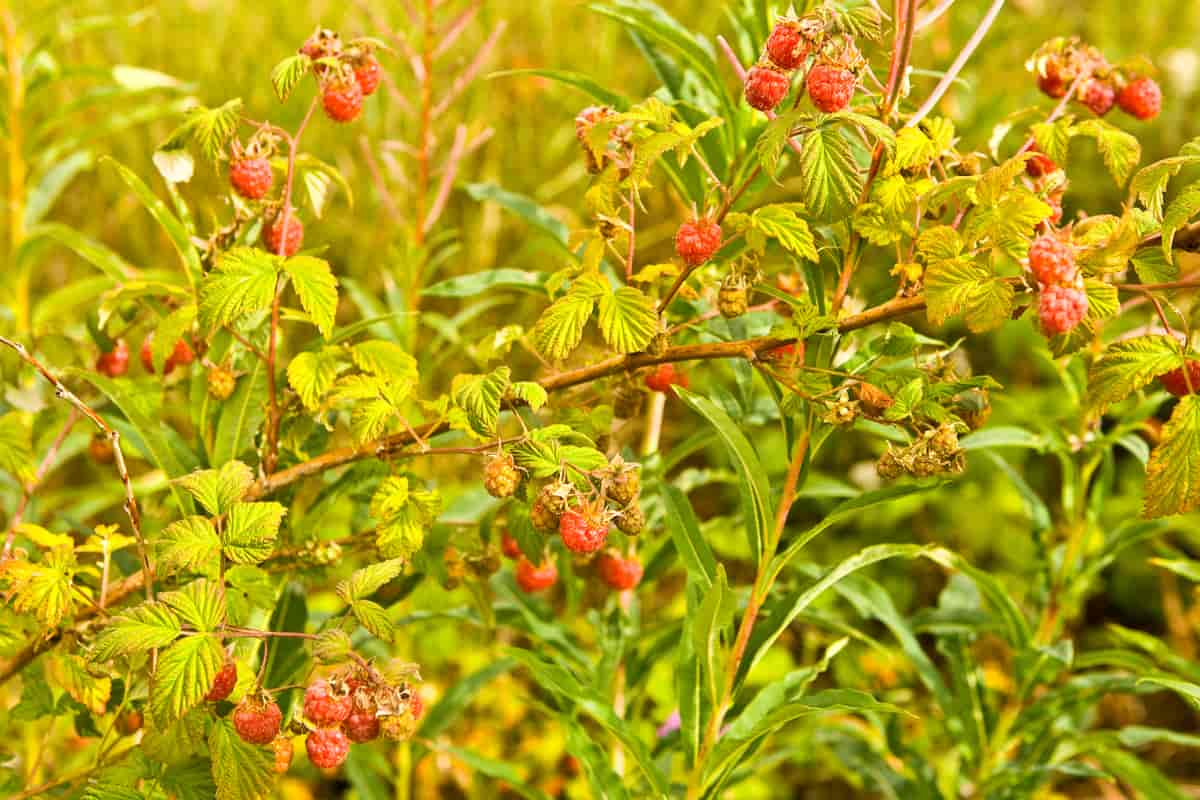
684	498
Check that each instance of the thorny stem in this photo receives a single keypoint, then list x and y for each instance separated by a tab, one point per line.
31	486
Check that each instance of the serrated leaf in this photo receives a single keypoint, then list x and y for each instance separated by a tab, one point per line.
190	544
782	223
1129	365
530	393
185	673
200	604
243	281
250	530
140	629
366	581
829	175
1054	139
628	320
1185	206
774	138
242	771
385	360
218	489
16	446
312	374
71	674
317	289
1173	473
208	128
560	328
480	396
374	618
168	333
45	589
963	285
1150	183
289	72
1119	149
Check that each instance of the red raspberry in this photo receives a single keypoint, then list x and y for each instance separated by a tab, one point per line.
325	705
130	722
1175	382
284	748
1056	209
509	546
1141	98
1039	164
766	87
368	74
362	725
786	352
1061	308
664	377
1052	260
531	579
251	177
583	531
342	100
619	573
1096	95
115	362
830	87
257	720
282	245
786	48
416	706
181	355
223	684
697	240
1054	83
327	747
501	476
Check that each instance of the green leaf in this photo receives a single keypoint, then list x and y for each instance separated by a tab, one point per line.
1119	149
16	446
579	80
312	374
385	360
714	614
1150	183
140	629
250	531
1185	206
689	542
90	250
367	581
628	319
175	230
522	206
241	416
289	72
829	176
317	289
218	489
1173	473
477	283
480	396
963	285
451	704
1129	365
208	128
168	333
507	774
530	393
560	328
242	282
200	604
185	672
374	618
287	657
242	771
189	544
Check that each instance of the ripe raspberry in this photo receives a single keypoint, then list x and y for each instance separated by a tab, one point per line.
786	48
785	352
509	546
1061	308
501	476
101	449
284	749
582	530
1175	382
257	720
251	177
631	521
221	383
1051	260
325	704
181	355
662	378
535	578
697	240
130	722
115	362
223	684
327	747
1097	95
361	726
618	573
1053	81
342	99
1039	164
285	242
625	485
368	74
1141	98
766	87
830	87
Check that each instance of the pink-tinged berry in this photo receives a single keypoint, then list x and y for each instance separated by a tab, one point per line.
1039	164
1097	95
284	749
1141	98
786	48
1056	208
327	747
182	355
1177	384
223	684
251	177
1061	308
416	706
342	100
534	578
115	362
583	530
830	87
766	87
325	704
509	546
285	234
619	573
257	720
361	726
368	73
697	240
1051	260
664	377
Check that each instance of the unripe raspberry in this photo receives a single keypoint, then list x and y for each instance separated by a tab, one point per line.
831	87
284	749
533	578
733	299
115	362
223	684
619	573
221	383
1177	384
1141	98
361	726
1051	260
631	521
1061	308
1039	164
326	704
664	377
251	177
1097	95
181	355
327	747
583	530
550	504
786	48
766	87
697	241
542	516
501	476
101	449
368	73
625	485
342	99
285	234
257	720
509	546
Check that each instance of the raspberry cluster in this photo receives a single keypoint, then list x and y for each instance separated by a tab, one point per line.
347	72
831	80
1063	302
697	240
181	356
1061	308
1061	64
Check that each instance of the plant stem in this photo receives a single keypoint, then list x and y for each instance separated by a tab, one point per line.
956	67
